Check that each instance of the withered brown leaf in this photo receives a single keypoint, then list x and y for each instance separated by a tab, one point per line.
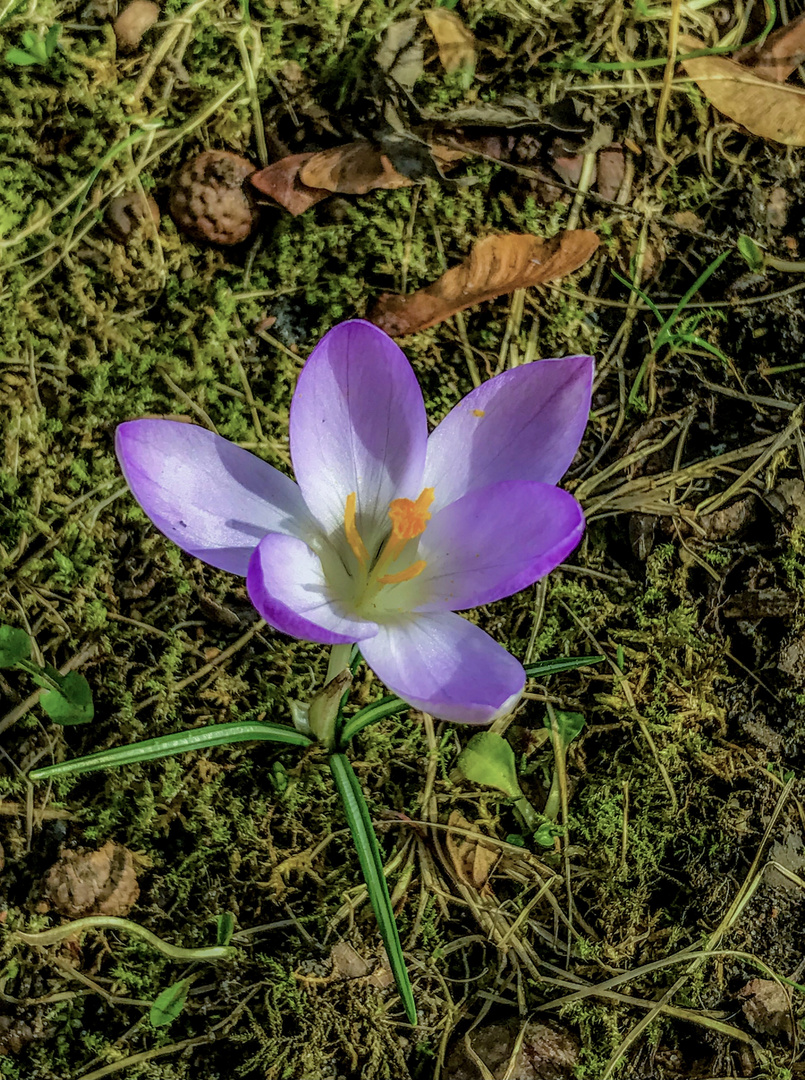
771	110
280	181
472	860
495	265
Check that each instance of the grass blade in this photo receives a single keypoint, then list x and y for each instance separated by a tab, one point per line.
178	743
360	825
386	706
562	663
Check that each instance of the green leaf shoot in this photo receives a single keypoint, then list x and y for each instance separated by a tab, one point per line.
489	760
169	1003
71	702
225	928
15	645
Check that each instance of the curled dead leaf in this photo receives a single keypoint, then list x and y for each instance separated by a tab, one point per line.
280	182
359	167
495	265
771	110
456	43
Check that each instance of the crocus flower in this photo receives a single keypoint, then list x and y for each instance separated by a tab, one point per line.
387	531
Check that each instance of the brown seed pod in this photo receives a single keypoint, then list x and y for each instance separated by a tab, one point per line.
208	200
133	21
126	213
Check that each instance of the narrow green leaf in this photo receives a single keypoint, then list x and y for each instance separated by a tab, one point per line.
71	703
665	329
366	845
177	743
169	1004
562	663
489	760
378	710
225	928
15	645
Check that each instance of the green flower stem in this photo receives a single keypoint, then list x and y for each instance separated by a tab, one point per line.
110	922
339	661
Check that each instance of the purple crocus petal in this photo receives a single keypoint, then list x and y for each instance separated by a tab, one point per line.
357	424
525	424
447	667
286	584
212	498
494	542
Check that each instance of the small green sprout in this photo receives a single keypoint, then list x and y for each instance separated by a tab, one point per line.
35	49
169	1003
68	699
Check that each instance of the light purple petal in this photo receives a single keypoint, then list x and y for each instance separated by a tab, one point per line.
494	542
286	584
357	424
212	498
447	667
525	424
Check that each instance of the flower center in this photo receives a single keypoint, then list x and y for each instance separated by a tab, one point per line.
409	519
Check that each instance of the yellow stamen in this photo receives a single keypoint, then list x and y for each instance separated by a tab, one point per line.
351	530
414	570
409	519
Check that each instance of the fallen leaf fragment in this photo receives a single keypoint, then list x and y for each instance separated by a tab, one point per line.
102	882
399	56
495	266
767	1007
348	962
472	861
280	182
456	43
780	54
771	110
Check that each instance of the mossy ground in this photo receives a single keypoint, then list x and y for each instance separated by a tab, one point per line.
686	781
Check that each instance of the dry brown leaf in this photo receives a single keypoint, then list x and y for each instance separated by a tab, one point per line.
495	265
774	111
472	860
352	169
280	181
456	43
780	54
